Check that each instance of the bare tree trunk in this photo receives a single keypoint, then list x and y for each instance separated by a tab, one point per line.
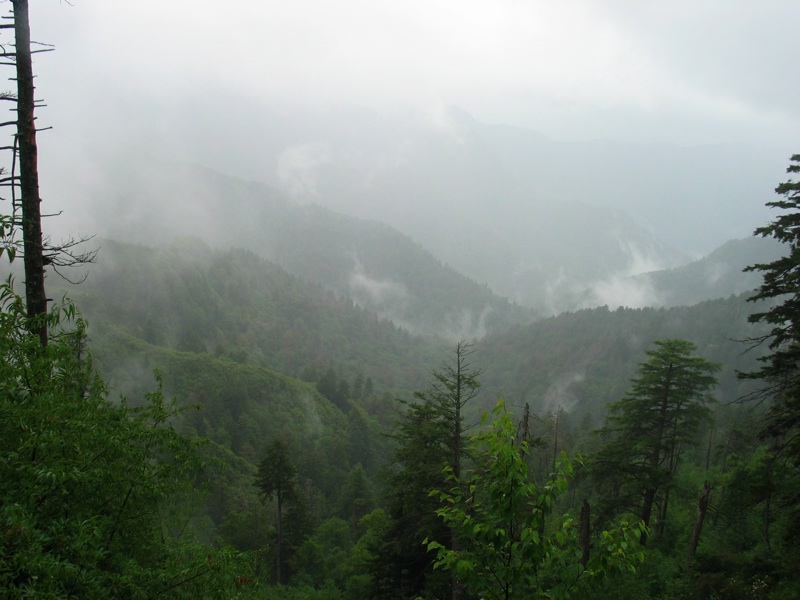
702	508
35	296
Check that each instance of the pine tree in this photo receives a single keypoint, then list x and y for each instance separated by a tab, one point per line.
650	428
781	281
430	438
276	477
772	483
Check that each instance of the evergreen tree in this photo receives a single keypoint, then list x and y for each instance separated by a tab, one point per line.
276	477
358	387
769	483
37	251
430	438
781	284
356	498
328	384
401	566
651	426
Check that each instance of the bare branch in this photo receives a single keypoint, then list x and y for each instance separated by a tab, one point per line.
66	253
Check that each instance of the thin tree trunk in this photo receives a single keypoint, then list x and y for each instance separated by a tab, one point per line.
710	444
702	508
647	511
35	296
723	469
555	439
457	588
279	532
584	533
662	515
767	519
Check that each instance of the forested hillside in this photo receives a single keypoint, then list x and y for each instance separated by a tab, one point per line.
221	325
378	267
234	304
583	360
717	275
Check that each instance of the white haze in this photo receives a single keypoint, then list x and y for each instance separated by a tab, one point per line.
689	72
621	290
235	86
134	73
297	168
383	294
558	395
390	300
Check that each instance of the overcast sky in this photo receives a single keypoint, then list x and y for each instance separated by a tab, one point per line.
692	71
149	74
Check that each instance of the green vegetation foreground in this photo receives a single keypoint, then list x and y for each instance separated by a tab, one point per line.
95	497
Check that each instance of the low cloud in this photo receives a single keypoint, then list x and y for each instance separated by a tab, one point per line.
558	395
466	325
382	295
298	168
621	289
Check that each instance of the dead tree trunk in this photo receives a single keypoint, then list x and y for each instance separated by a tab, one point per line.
35	296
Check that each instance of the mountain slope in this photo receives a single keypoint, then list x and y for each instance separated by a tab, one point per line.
235	304
694	197
714	276
717	275
234	312
445	185
440	181
583	360
381	269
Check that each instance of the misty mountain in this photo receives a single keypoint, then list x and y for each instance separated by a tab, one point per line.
145	303
580	361
234	304
714	276
693	197
441	180
377	267
717	275
536	219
